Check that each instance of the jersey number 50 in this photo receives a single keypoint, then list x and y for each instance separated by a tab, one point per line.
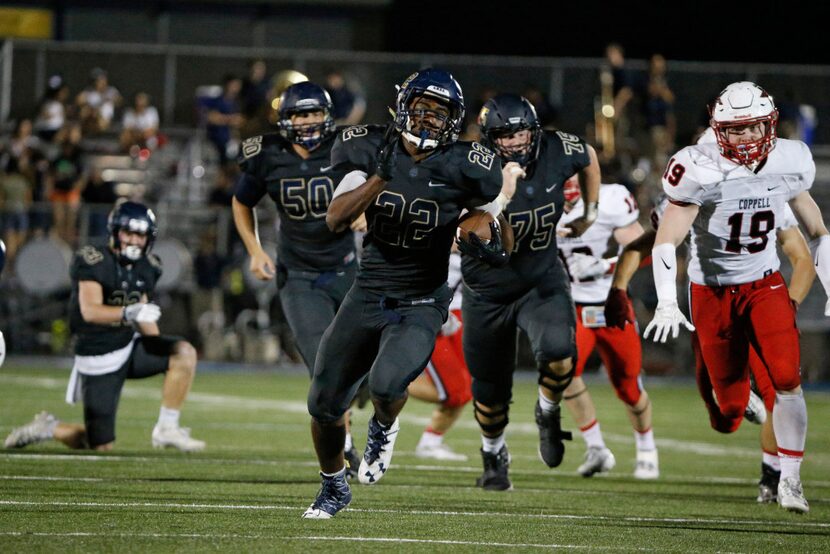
299	201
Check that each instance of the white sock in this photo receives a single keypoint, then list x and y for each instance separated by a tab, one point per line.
340	473
592	435
348	445
644	440
492	445
789	420
430	439
547	405
772	461
168	417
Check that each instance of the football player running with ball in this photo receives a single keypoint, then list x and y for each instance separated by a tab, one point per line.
532	292
412	182
731	194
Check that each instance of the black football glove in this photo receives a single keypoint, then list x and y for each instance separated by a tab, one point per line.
618	309
387	153
491	253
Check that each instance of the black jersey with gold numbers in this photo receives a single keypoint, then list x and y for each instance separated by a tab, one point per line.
412	222
302	190
533	214
122	285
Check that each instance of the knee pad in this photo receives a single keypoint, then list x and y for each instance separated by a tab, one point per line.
499	414
561	382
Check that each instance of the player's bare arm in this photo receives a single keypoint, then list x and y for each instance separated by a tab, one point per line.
262	266
633	255
589	181
347	207
93	309
809	215
795	248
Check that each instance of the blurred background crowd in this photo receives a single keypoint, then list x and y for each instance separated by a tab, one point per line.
90	115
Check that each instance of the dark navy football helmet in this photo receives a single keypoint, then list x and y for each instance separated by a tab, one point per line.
433	84
136	218
504	115
303	98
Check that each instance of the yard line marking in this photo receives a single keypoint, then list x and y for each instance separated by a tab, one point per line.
315	538
48	478
299	509
294	407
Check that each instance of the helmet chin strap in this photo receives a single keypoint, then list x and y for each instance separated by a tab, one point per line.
421	141
131	252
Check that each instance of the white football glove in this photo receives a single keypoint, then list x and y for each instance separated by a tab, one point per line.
141	313
451	326
667	318
584	267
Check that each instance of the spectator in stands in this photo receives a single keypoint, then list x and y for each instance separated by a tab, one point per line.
224	119
627	91
99	197
97	102
545	111
254	99
349	103
659	112
140	124
15	202
52	111
65	181
22	139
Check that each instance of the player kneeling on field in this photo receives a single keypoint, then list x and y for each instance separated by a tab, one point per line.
117	339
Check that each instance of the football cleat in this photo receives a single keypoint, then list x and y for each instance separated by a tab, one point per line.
756	411
495	476
647	466
378	454
40	429
168	436
352	462
333	496
551	435
768	485
791	495
439	452
597	460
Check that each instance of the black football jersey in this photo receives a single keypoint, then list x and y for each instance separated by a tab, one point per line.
412	221
122	285
302	190
533	214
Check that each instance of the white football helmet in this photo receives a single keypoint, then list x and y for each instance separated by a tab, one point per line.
740	104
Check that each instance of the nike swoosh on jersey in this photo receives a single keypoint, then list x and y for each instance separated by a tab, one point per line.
550	188
326	169
772	188
437	184
773	287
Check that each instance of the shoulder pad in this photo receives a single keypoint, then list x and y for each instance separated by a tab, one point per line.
356	147
617	205
154	260
686	171
477	155
91	255
251	147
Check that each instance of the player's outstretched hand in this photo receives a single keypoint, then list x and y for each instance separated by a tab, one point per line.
667	319
262	266
491	252
618	309
387	153
141	313
584	267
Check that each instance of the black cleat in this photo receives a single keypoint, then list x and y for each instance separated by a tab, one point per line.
352	462
551	435
768	485
495	476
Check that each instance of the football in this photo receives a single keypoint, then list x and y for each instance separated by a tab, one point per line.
478	222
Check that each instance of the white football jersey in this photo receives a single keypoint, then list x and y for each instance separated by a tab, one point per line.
733	236
617	208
